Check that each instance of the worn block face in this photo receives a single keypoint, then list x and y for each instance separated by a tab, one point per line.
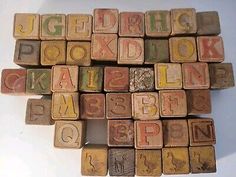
116	79
65	78
90	79
38	81
120	133
121	162
157	23
210	49
79	27
195	76
26	26
201	132
53	26
183	49
53	52
105	20
173	103
183	21
118	105
13	81
65	106
168	76
131	24
148	134
92	106
78	53
175	161
69	134
202	159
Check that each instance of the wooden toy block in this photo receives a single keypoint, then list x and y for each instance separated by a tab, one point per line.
175	161
156	51
131	51
157	23
27	53
121	162
183	49
173	103
131	24
104	47
116	79
148	163
210	49
53	27
105	20
38	112
90	79
208	23
201	132
69	134
168	76
202	159
92	106
199	102
38	81
53	52
141	79
64	78
195	76
145	105
221	75
79	27
148	134
94	160
78	53
13	81
118	105
26	26
120	133
65	106
175	133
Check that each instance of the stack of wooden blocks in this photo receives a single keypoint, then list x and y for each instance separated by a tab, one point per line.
143	72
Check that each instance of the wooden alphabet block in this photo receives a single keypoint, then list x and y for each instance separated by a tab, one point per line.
26	26
195	76
120	133
69	134
148	134
94	160
201	132
121	162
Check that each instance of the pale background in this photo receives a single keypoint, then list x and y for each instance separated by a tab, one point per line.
27	151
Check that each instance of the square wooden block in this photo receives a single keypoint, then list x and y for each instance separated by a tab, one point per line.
26	26
145	105
201	132
118	105
157	23
65	106
116	79
105	20
210	49
173	103
120	133
92	106
69	134
131	51
65	78
195	75
148	134
168	76
79	27
131	24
